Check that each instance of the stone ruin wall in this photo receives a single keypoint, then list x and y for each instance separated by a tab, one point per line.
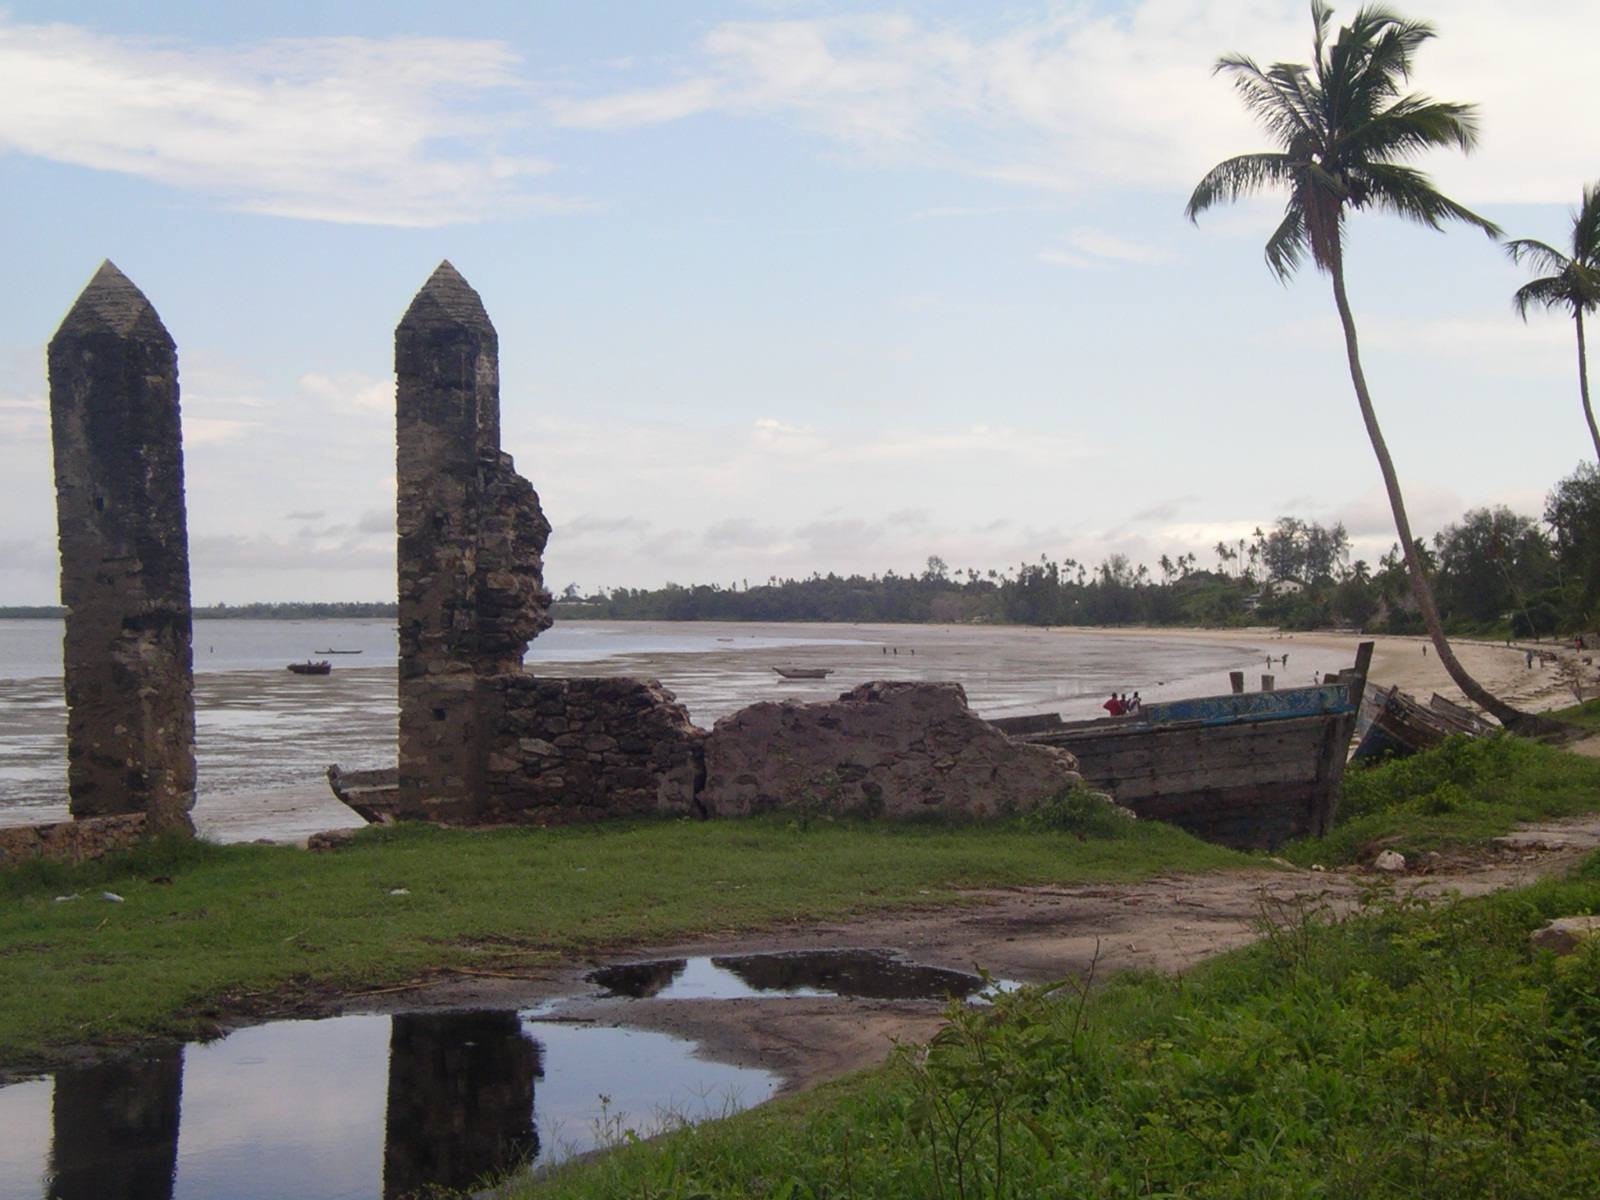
482	741
118	452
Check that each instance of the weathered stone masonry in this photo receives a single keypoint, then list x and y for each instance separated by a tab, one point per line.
124	557
481	740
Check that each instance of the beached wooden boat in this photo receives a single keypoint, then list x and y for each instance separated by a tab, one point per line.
1394	725
311	668
1250	769
803	672
373	795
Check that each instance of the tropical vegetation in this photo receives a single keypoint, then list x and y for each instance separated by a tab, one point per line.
1345	128
1573	283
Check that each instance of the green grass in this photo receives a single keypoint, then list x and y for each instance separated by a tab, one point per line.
207	930
1414	1052
1463	793
1585	715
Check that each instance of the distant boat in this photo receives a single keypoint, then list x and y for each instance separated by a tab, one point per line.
803	672
1251	769
336	652
312	668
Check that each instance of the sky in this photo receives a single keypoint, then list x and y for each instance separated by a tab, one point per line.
781	286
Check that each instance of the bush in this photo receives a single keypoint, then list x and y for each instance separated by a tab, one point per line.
1082	811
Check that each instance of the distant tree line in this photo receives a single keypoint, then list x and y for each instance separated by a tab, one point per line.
1496	573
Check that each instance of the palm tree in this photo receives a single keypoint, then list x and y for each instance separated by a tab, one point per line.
1573	282
1345	128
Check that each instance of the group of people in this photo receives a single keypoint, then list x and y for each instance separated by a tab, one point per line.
1123	705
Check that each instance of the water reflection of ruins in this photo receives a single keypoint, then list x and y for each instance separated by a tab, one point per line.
459	1109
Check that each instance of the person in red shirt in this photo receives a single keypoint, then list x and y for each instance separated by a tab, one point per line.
1113	706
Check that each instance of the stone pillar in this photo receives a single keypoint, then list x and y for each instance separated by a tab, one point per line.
471	537
460	1100
124	557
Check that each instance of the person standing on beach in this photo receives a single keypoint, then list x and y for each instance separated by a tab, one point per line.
1113	706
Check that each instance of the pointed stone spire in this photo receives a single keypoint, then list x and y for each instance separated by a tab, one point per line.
111	304
118	447
447	299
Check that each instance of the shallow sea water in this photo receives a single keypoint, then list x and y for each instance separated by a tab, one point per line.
265	737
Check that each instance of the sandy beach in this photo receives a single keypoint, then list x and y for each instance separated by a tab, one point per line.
1409	662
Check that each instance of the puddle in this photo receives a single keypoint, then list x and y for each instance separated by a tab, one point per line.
352	1108
863	974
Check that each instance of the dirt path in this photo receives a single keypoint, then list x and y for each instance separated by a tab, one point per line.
1033	935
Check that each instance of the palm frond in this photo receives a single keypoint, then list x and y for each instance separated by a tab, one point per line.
1411	125
1409	193
1549	292
1243	175
1541	256
1586	227
1287	247
1270	96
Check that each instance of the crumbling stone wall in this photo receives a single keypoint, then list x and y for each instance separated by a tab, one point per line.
71	841
582	749
882	749
124	557
471	544
484	742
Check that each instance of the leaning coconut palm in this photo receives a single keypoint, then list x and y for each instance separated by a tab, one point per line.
1345	128
1573	283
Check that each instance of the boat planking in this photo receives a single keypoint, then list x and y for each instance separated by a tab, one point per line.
1393	725
373	795
1249	770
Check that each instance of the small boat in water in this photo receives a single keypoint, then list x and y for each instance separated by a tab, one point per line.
373	795
803	672
1250	769
312	668
336	652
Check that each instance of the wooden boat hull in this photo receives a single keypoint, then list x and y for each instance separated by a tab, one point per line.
1251	770
1400	727
312	668
804	672
373	795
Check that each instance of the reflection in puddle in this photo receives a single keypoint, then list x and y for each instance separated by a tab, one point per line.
351	1107
867	974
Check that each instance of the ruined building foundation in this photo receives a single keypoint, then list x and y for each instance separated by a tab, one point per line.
483	741
124	558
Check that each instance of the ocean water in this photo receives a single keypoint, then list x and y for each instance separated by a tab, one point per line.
265	737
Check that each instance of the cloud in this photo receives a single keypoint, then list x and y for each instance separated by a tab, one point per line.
349	391
1083	98
1094	248
409	131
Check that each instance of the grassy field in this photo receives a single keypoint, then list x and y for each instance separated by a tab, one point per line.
1413	1052
204	930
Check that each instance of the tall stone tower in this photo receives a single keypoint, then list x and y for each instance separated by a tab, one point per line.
471	541
118	447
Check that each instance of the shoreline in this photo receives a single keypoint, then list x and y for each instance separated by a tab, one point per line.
1404	660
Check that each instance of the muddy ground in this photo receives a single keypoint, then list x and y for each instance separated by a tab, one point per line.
1032	935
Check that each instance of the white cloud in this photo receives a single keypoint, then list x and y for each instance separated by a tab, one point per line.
349	391
401	131
1080	98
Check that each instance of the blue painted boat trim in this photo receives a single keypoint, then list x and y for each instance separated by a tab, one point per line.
1252	706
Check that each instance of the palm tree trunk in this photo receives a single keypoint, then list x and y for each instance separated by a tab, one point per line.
1508	716
1583	383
